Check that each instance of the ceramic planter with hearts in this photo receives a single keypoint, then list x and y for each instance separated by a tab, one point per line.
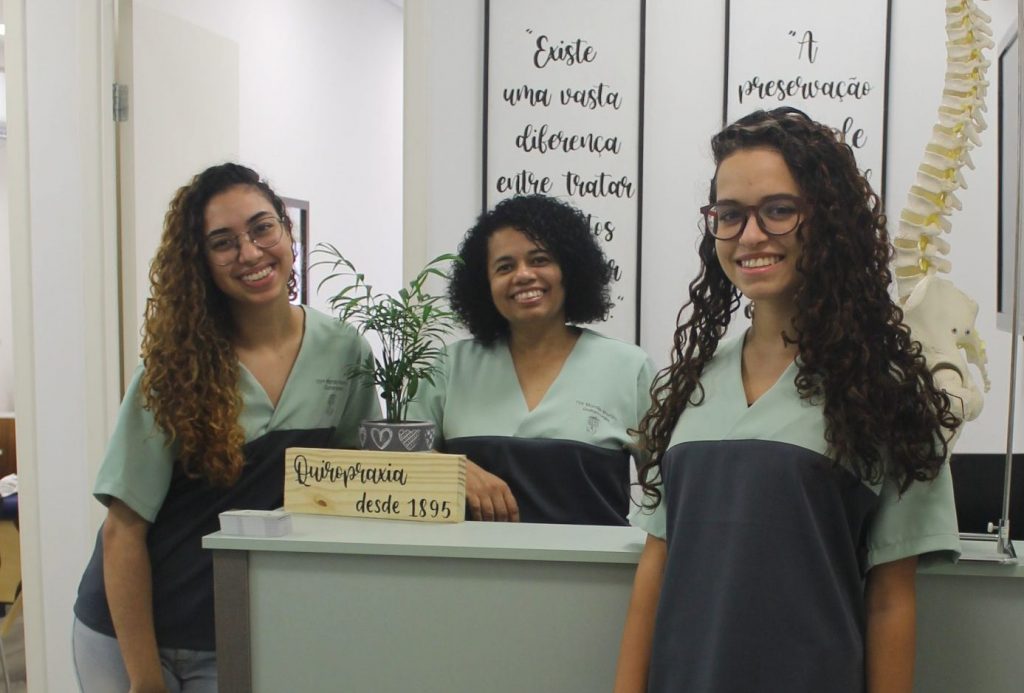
404	436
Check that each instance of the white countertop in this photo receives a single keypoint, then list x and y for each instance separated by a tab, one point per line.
492	540
496	540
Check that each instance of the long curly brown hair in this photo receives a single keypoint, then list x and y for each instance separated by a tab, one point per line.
190	380
884	417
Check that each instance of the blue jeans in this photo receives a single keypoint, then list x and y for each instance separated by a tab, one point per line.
100	668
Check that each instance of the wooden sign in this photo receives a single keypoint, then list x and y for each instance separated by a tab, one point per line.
421	486
829	59
563	114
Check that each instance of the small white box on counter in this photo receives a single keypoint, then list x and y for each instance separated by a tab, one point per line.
256	523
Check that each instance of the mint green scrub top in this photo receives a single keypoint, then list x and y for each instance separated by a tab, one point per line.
567	461
769	545
320	406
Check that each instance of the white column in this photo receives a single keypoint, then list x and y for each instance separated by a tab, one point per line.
64	285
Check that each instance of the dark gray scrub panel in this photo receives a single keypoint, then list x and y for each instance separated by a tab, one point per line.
763	585
555	481
182	572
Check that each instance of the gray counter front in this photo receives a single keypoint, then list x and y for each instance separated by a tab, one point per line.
389	606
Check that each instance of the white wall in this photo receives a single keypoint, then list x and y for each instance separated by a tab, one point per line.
6	326
320	115
184	117
684	81
60	163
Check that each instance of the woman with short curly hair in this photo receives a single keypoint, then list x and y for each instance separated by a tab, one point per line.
232	373
542	408
797	471
557	226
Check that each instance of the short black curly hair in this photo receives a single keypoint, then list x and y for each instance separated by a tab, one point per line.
559	228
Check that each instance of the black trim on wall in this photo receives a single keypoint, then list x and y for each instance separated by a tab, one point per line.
725	64
487	84
881	190
978	488
640	169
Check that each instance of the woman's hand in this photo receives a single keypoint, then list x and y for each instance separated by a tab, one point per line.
149	688
489	497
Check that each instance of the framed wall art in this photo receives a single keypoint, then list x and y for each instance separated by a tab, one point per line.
563	116
823	58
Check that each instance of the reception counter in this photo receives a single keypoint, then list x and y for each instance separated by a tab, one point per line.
382	606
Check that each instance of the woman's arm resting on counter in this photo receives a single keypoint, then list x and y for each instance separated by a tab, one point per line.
489	497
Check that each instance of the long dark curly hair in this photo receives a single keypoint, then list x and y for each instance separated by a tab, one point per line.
558	227
884	416
190	379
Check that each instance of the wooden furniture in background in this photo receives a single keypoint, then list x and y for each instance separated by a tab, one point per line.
8	448
10	586
10	562
10	547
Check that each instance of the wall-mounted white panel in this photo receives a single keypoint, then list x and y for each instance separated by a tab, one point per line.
563	118
829	60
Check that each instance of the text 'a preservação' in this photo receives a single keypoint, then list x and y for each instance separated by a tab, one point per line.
426	487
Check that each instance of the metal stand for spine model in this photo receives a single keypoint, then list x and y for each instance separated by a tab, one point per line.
1002	528
940	315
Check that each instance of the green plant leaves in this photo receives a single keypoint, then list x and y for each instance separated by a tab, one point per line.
410	325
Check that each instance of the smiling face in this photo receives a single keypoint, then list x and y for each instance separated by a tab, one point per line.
257	275
526	281
761	266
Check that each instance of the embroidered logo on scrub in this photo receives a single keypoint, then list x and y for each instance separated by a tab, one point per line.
595	415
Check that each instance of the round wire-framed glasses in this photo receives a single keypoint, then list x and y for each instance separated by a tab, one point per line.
223	247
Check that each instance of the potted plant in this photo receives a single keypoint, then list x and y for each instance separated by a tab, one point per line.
410	326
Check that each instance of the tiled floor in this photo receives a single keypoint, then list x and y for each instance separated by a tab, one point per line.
14	653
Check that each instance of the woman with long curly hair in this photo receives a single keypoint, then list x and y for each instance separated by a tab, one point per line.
796	472
541	407
232	374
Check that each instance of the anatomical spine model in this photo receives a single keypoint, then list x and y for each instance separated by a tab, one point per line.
940	315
